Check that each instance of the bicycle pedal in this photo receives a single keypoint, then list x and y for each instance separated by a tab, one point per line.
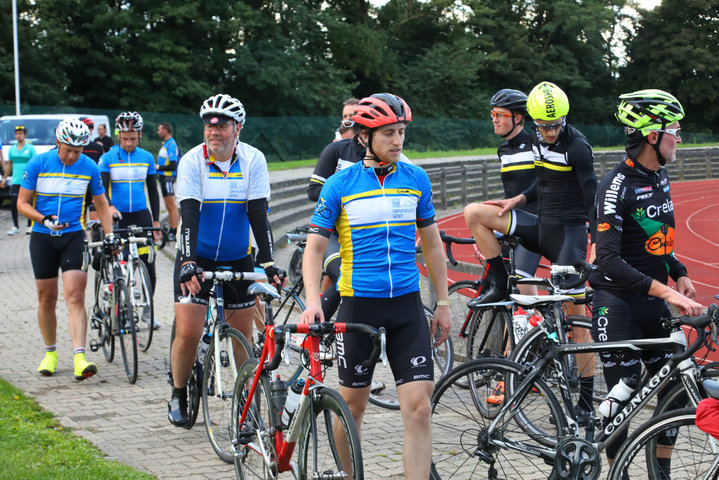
94	345
244	437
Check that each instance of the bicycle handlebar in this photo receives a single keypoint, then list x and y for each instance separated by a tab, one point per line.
229	276
378	338
449	240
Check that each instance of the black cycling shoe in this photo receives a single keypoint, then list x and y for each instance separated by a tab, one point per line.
493	295
177	411
171	237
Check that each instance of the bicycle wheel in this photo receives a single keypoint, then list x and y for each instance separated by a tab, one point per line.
255	455
464	446
143	310
460	293
218	383
329	444
100	320
489	332
384	392
294	272
686	451
122	310
290	308
535	344
677	397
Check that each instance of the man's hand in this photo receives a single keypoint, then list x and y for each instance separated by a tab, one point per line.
275	275
189	281
50	221
312	314
508	204
115	213
685	287
157	234
109	244
441	319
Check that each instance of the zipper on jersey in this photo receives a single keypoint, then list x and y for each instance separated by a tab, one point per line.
57	233
224	201
386	226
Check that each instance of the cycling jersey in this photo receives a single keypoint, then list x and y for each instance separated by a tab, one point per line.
167	158
19	159
376	224
517	167
335	157
708	416
128	174
635	231
223	191
566	183
60	189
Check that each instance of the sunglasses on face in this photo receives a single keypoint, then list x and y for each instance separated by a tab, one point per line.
549	126
674	132
500	114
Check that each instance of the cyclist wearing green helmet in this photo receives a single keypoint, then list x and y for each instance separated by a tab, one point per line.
564	191
635	241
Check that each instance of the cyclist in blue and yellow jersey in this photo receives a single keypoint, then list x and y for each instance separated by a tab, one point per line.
17	157
635	242
167	174
52	195
377	206
126	169
564	191
223	187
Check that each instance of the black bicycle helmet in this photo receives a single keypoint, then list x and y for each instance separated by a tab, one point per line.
512	100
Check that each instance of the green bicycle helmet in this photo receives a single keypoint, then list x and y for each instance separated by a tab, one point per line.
547	101
647	110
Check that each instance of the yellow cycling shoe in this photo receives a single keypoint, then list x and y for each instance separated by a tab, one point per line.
83	368
49	364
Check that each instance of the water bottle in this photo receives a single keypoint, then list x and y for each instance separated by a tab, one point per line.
617	395
535	320
203	347
293	399
107	296
520	324
279	394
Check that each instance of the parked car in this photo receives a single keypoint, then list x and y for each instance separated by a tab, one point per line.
41	128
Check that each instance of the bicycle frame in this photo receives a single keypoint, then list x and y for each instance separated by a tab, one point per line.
680	363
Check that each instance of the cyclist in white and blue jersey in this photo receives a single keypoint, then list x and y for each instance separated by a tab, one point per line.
167	159
52	195
223	188
126	170
377	206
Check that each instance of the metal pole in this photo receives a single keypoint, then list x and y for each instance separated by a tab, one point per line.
16	61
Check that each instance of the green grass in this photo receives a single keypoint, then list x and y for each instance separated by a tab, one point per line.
34	445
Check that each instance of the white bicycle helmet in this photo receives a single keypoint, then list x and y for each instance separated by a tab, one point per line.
223	104
128	122
73	131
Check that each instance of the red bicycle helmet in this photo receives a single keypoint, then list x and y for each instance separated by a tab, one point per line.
381	109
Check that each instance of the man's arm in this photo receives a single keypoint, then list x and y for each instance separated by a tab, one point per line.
311	275
151	182
6	172
437	268
103	212
325	167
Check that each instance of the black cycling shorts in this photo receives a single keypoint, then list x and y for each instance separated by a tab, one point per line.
48	253
525	261
408	341
235	293
167	185
331	261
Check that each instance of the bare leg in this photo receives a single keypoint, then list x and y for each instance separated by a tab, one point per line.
73	282
190	320
414	401
46	317
356	399
172	212
482	220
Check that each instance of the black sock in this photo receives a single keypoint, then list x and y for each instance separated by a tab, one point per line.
665	467
497	273
586	391
179	392
173	231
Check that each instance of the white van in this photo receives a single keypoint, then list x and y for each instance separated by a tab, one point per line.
41	128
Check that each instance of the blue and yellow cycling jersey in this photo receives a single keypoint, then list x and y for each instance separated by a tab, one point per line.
128	173
377	223
223	190
60	189
168	156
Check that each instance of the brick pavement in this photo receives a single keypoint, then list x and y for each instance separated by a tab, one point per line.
128	422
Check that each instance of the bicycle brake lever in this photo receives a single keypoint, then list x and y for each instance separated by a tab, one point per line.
287	347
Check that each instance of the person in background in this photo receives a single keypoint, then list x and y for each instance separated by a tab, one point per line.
167	174
102	138
18	157
346	129
93	150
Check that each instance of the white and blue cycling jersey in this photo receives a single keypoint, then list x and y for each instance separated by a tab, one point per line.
223	189
60	189
128	174
377	223
168	155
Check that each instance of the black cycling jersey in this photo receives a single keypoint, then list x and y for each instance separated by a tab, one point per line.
517	169
635	231
334	157
566	183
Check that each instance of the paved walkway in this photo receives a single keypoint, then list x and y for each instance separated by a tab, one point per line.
129	422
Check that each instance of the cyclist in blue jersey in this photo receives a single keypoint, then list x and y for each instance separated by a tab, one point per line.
126	170
377	205
167	159
52	195
223	187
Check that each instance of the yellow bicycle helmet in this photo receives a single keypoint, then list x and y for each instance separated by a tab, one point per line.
547	101
647	110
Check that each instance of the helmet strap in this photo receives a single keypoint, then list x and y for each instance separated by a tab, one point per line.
383	168
660	158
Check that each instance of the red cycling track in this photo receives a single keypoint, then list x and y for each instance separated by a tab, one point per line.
696	241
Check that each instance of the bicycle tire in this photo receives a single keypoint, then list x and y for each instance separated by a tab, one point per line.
534	344
461	444
328	416
677	397
291	305
122	309
489	333
217	396
143	310
294	272
460	293
442	356
248	458
691	453
100	320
